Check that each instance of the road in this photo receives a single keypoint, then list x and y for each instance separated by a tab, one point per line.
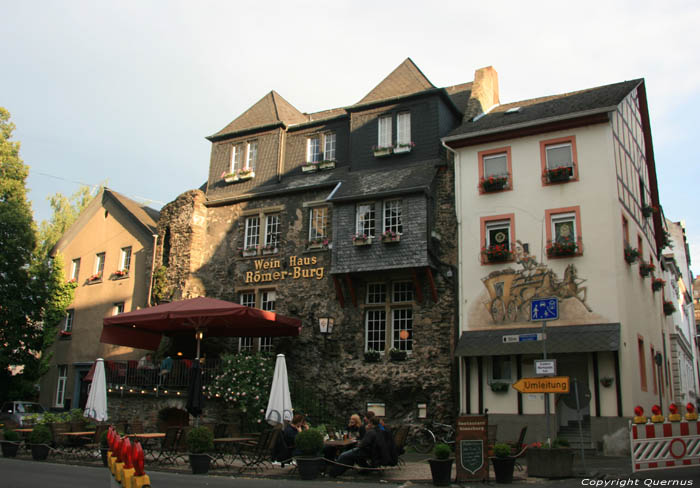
18	473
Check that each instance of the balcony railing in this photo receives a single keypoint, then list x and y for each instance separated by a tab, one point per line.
128	374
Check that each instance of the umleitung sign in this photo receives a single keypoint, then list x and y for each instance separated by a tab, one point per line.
553	384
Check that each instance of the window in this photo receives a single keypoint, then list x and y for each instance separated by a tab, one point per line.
376	293
403	129
497	238
118	308
272	231
498	234
500	368
381	300
267	302
125	259
329	149
237	154
68	324
99	264
402	328
375	326
559	160
252	232
495	170
313	149
252	155
392	216
496	165
642	363
402	292
564	232
75	270
318	223
61	385
245	344
247	299
384	137
365	219
564	228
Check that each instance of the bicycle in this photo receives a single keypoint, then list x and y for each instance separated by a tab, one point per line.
431	433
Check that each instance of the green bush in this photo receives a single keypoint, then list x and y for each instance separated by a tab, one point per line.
11	435
309	442
501	450
76	415
199	440
40	435
442	451
560	442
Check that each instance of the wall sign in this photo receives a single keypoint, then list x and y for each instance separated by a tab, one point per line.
269	270
472	435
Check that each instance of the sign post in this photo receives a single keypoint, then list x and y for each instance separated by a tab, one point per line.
542	310
472	448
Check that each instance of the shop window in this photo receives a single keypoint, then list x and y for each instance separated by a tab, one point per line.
559	160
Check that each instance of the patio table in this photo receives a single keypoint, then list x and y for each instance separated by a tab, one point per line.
230	445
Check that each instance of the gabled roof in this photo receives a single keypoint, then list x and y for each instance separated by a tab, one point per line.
270	110
406	79
146	216
545	109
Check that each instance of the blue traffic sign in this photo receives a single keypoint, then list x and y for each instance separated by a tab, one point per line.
544	309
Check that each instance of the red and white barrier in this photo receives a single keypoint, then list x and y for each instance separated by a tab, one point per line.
664	445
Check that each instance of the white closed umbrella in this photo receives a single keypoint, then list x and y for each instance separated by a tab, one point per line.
279	407
96	406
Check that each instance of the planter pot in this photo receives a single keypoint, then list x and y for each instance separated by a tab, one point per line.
550	463
316	246
365	242
557	176
498	257
380	153
562	251
402	149
390	240
246	176
309	168
269	251
441	471
496	185
40	452
309	468
103	454
327	165
503	469
249	252
200	463
9	449
230	179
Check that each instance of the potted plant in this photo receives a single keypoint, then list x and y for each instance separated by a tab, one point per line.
381	151
200	441
555	461
493	183
631	254
372	356
310	443
503	463
245	174
327	164
441	465
404	147
397	355
104	447
497	253
390	236
669	308
361	240
647	210
10	444
645	268
39	440
606	381
95	277
77	420
310	167
318	243
499	386
120	273
657	284
564	246
558	174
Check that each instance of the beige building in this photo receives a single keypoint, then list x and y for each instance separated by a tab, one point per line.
109	254
553	196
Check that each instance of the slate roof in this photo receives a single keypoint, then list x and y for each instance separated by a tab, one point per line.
271	109
459	94
561	339
147	216
391	180
406	79
551	107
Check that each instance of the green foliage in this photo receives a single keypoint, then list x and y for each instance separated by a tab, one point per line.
244	382
499	386
10	435
54	418
442	451
76	415
103	439
372	356
40	435
309	442
161	291
501	450
199	440
560	442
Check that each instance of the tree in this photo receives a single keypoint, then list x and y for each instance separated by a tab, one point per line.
66	211
21	334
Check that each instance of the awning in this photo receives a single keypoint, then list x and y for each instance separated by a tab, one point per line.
561	339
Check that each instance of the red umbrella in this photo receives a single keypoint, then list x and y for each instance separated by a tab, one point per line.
144	328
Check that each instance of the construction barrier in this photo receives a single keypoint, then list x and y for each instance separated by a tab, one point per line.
125	462
664	445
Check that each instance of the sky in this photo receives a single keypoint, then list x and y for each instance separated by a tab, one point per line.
124	93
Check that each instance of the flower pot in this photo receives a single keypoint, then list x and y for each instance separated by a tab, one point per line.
402	149
40	452
9	449
390	239
382	152
550	463
503	468
200	463
559	174
246	176
441	471
230	179
327	165
309	168
362	242
309	468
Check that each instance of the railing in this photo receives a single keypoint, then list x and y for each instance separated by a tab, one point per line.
128	374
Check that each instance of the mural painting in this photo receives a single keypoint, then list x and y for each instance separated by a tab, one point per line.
510	291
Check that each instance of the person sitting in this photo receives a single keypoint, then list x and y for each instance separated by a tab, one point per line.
291	430
355	427
368	451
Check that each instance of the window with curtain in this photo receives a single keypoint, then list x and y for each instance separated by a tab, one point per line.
384	138
403	128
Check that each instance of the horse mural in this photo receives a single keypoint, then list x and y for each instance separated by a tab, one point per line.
510	291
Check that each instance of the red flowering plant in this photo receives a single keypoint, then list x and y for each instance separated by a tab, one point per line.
631	254
318	242
657	284
669	308
121	272
494	182
95	277
563	246
65	333
360	237
497	252
390	236
645	269
560	173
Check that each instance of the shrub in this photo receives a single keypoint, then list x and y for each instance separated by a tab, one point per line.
372	356
200	439
442	451
76	415
501	450
309	442
40	435
11	435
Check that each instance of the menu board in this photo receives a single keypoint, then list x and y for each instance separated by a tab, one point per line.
472	461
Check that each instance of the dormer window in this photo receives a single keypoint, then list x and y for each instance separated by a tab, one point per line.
237	155
329	149
384	138
403	129
244	156
252	156
313	149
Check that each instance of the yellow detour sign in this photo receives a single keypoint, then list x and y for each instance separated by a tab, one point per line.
550	384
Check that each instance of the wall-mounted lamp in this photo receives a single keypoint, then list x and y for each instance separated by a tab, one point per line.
325	325
199	335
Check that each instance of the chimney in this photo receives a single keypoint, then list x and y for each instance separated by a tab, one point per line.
484	93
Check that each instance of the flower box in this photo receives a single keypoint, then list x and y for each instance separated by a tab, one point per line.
493	183
249	252
497	253
240	175
327	165
380	152
647	210
631	254
65	334
559	174
246	175
403	148
669	308
397	355
563	248
120	273
390	237
499	386
230	178
319	243
361	240
310	167
645	269
372	356
270	250
94	278
657	284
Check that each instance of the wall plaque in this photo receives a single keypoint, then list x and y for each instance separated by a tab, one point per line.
472	449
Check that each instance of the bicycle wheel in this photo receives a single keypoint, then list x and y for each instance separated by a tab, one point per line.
423	441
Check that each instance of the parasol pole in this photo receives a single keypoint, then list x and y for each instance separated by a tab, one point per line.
199	333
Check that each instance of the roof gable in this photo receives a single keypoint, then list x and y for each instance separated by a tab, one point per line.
271	109
406	79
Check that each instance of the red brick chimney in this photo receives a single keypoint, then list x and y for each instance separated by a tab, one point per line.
484	93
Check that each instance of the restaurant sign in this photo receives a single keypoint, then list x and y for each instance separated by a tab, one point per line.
472	463
269	270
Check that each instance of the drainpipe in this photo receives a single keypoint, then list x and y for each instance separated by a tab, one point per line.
153	264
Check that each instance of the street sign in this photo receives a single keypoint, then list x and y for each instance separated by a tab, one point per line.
524	337
552	384
545	367
544	309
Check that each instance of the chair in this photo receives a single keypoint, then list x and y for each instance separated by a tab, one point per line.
168	446
255	454
517	446
93	445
